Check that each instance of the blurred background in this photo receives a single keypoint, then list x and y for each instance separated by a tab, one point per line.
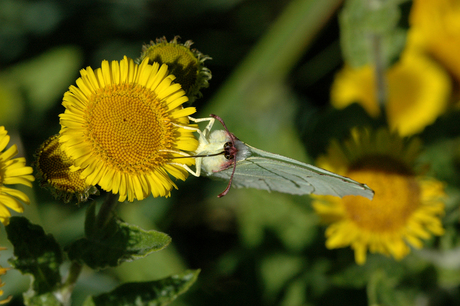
273	64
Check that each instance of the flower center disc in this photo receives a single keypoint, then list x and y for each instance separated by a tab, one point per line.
397	196
128	126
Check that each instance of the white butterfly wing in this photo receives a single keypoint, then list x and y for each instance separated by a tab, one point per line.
273	172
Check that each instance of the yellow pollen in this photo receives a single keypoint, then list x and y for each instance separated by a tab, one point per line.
128	125
397	197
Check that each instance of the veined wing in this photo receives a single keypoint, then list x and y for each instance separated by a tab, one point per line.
273	172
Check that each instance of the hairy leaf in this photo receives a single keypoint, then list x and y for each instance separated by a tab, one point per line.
114	243
37	254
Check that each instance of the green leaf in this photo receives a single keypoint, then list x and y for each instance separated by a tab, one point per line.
361	21
35	253
154	293
115	243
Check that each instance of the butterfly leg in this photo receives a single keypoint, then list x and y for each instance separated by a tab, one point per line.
196	173
204	135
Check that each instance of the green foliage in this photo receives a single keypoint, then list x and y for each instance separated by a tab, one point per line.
254	248
45	78
154	293
39	255
294	224
114	243
361	22
36	253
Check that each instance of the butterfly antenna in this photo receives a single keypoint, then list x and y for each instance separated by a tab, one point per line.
234	159
203	155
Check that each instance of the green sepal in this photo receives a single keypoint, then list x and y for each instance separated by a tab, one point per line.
360	21
154	293
37	254
114	243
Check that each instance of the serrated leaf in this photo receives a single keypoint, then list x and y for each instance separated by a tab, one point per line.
362	20
115	243
155	293
36	253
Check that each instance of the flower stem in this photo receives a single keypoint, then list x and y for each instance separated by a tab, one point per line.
106	211
104	215
378	59
69	284
380	68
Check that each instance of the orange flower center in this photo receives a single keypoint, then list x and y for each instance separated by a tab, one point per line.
397	195
128	125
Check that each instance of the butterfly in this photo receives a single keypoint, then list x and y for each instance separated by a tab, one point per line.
222	155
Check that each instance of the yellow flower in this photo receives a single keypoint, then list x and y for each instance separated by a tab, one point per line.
12	171
55	171
418	92
3	272
406	208
124	124
435	27
186	64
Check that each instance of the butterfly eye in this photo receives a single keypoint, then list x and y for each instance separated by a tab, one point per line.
227	149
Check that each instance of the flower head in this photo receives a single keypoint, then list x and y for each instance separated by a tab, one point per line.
12	171
186	64
418	92
124	124
406	208
55	171
435	28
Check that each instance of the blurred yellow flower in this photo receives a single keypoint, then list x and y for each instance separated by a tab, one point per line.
406	208
3	272
12	171
124	124
435	28
418	92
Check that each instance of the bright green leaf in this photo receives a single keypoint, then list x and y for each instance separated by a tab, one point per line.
36	254
155	293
